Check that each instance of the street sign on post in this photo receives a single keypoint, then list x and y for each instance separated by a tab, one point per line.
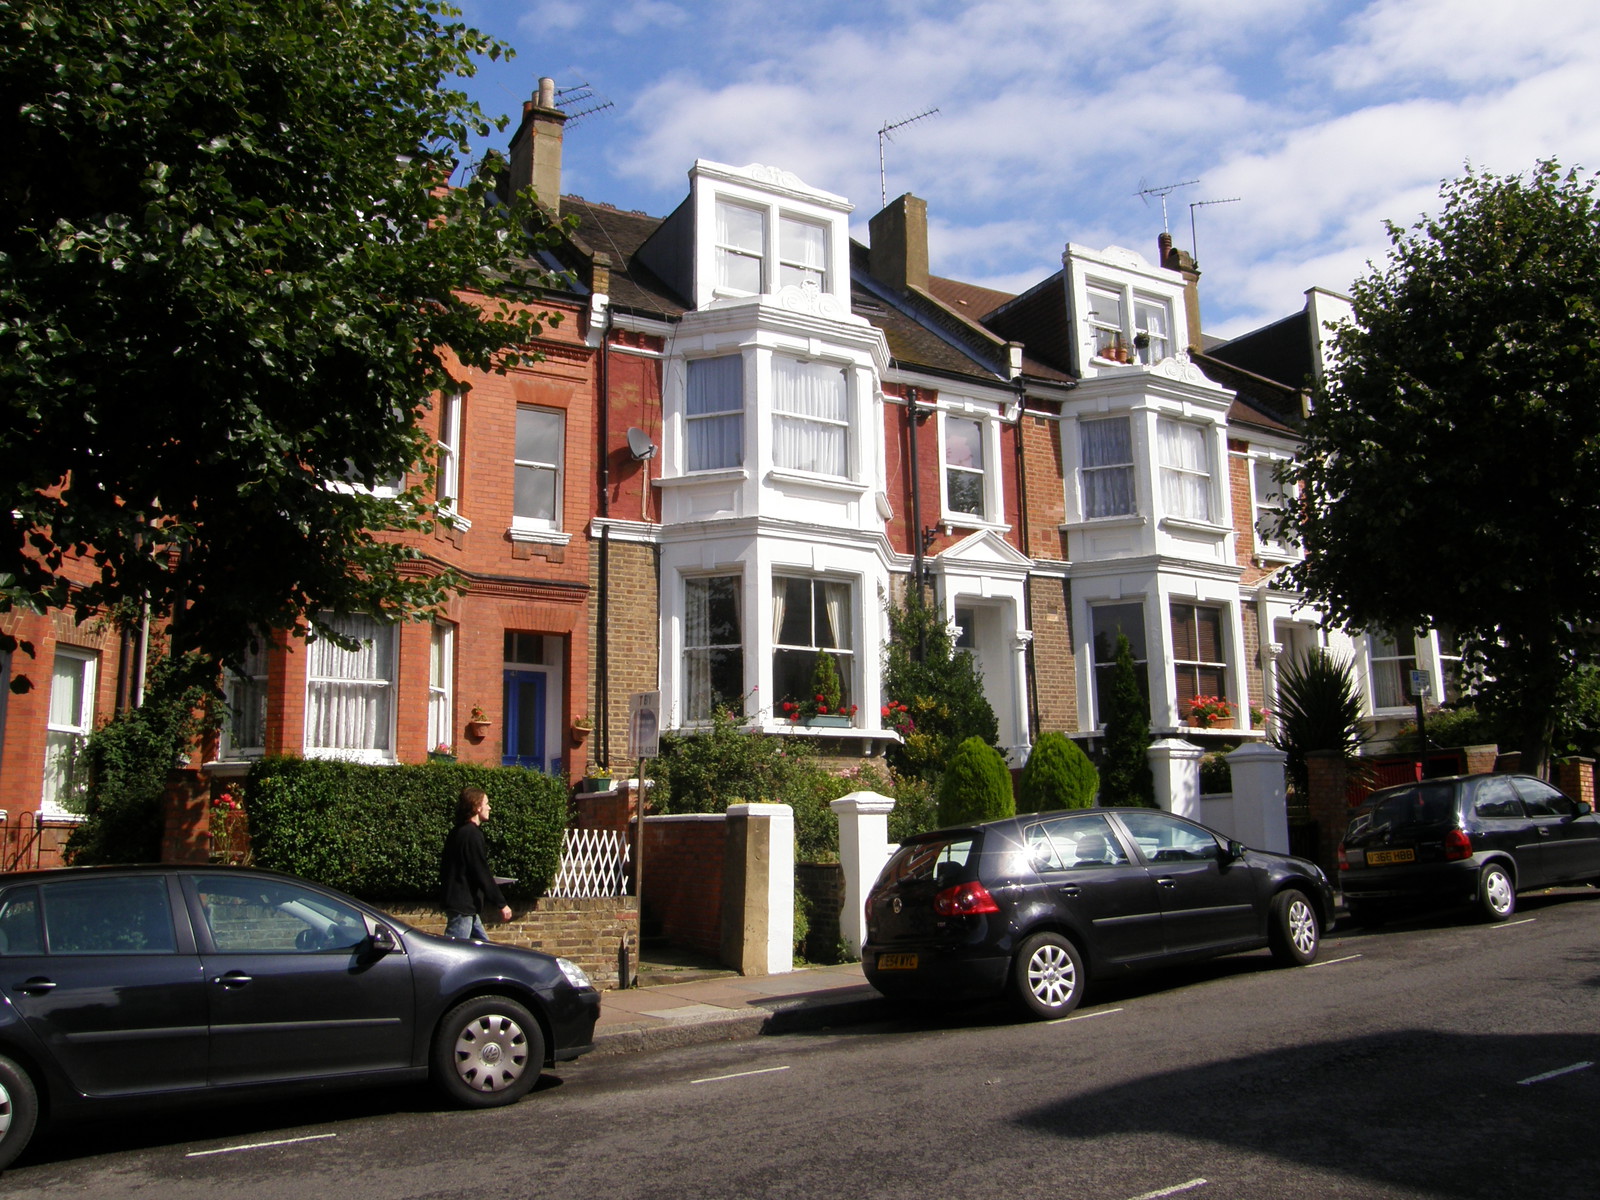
644	725
1421	684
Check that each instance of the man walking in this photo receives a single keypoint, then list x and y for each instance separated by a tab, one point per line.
469	885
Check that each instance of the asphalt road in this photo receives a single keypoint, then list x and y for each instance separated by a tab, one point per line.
1438	1057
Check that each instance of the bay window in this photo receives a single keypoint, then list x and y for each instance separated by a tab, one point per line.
811	417
1185	459
350	693
1198	662
1106	449
1108	622
713	645
810	617
714	413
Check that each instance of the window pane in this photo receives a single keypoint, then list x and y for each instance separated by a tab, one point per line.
810	432
109	916
349	692
1185	470
740	227
713	645
268	917
1113	619
713	406
802	252
963	456
1107	451
534	495
538	436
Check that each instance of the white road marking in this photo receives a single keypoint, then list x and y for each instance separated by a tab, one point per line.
1171	1191
315	1137
738	1075
1104	1012
1509	924
1583	1066
1328	962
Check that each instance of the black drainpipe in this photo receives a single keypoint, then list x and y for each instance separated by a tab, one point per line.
916	512
602	674
1031	665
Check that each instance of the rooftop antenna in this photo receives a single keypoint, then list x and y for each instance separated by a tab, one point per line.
886	134
1163	191
1194	241
580	94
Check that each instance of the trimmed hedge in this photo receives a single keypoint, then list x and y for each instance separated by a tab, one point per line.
976	785
1058	774
377	831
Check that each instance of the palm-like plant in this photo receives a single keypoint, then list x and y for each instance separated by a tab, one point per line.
1319	708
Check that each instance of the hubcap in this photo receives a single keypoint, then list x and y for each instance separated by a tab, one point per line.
1051	976
1498	889
1302	927
491	1052
5	1111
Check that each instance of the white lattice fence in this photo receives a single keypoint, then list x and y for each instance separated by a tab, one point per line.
594	863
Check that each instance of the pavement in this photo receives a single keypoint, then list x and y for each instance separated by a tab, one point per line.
729	1007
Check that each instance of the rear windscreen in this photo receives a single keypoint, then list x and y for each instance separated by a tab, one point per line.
936	860
1425	804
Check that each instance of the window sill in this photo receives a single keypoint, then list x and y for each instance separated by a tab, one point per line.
1121	521
450	519
1277	556
830	483
968	521
545	537
727	475
1192	526
380	758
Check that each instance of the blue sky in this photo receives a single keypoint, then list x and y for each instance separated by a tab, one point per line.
1323	118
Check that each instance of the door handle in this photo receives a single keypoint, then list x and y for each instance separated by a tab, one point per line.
1544	831
37	986
1070	889
1167	881
233	979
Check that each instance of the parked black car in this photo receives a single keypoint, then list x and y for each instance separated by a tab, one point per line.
1468	837
1036	906
136	987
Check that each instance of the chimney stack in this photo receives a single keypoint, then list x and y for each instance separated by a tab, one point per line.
1183	262
536	147
898	255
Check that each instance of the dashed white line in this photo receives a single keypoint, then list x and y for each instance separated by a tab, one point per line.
1583	1066
315	1137
1171	1191
738	1075
1104	1012
1509	924
1328	962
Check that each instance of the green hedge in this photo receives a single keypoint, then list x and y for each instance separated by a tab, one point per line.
376	832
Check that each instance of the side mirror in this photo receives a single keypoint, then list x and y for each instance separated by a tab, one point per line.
1584	808
1235	850
383	941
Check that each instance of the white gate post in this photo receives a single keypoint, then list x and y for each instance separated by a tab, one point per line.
1260	801
759	938
1175	764
863	849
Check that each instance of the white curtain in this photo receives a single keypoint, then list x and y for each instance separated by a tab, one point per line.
696	656
1107	447
715	412
780	604
803	251
349	693
836	603
1185	470
810	425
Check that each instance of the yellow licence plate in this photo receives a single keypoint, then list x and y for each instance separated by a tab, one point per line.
1381	858
897	962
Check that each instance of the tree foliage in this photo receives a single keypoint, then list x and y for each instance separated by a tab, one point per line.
939	685
1451	472
1125	775
1058	774
975	786
229	283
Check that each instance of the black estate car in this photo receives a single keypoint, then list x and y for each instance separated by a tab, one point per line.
1035	906
1468	837
135	987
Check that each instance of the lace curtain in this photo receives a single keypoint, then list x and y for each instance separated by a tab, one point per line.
811	417
1107	467
1185	470
349	694
715	413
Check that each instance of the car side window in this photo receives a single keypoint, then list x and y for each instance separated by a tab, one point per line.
1164	838
1071	843
1497	800
254	916
19	922
127	915
1542	800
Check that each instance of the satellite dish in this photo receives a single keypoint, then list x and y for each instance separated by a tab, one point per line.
639	444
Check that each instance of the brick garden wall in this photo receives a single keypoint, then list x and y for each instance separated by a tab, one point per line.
683	858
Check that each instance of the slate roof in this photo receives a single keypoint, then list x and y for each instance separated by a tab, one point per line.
611	231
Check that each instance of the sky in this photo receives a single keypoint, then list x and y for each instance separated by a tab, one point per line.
1307	123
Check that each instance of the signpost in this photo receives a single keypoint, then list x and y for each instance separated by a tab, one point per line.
644	742
1421	689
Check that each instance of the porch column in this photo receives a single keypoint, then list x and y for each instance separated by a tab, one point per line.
863	849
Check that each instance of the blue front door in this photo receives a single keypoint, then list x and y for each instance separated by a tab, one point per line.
525	723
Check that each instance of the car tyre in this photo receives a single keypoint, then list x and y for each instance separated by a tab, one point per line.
487	1052
1293	930
19	1111
1048	975
1497	895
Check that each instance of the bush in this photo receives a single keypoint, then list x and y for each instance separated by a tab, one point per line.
976	785
1058	774
1450	728
1216	776
1319	708
377	831
1125	776
940	686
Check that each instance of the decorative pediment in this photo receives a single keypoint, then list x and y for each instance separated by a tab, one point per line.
984	550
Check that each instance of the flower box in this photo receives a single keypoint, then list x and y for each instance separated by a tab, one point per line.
830	721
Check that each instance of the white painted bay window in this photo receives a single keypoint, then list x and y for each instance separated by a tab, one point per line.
1185	458
811	616
1198	664
713	645
1105	321
714	413
802	253
811	417
350	693
1152	328
1106	449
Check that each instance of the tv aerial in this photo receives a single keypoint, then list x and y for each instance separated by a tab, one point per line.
886	134
1164	190
569	100
1194	241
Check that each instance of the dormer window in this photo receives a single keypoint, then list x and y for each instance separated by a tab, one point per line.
1146	339
802	253
1105	319
741	248
1152	323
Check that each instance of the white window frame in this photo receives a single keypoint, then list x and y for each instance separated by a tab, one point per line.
1175	474
698	708
1267	505
798	420
553	467
1107	329
448	447
379	687
987	513
441	685
1085	469
1158	340
1119	315
241	687
798	270
1096	666
66	731
717	418
844	656
728	250
1391	662
1197	665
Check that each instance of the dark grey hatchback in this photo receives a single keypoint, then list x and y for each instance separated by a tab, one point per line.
1467	837
138	987
1035	906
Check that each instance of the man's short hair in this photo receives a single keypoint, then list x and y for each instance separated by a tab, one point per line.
467	804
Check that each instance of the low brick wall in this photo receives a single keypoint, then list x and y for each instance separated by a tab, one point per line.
822	884
683	864
589	932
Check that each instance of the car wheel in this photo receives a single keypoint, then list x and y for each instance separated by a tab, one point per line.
1497	898
1294	932
487	1051
1048	975
19	1111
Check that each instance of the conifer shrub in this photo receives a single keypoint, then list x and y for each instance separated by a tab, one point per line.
1125	776
975	786
1058	774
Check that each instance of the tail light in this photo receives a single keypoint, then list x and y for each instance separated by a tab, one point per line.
1344	862
964	900
1457	845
